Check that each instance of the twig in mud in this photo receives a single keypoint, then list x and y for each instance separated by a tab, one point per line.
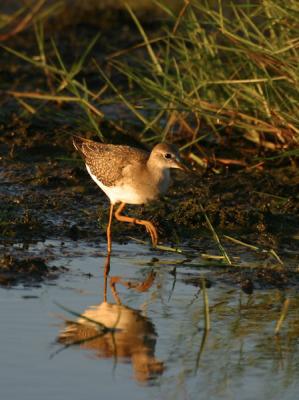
272	252
216	237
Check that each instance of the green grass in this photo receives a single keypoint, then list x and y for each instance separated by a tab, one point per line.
219	70
222	70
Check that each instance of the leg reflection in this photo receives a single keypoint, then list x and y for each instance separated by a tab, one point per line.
138	286
106	274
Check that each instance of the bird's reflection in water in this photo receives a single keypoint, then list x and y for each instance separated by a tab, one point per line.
127	334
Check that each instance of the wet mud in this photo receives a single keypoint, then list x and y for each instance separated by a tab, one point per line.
44	197
29	271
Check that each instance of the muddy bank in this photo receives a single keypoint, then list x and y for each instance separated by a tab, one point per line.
29	271
47	193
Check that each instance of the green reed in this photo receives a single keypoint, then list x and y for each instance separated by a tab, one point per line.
220	69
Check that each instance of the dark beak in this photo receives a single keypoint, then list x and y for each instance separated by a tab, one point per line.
182	167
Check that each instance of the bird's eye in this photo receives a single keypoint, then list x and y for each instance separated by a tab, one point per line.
167	155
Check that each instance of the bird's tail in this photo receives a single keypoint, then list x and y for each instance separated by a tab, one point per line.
78	142
86	146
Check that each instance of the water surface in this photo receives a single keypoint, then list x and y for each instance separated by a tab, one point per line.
160	349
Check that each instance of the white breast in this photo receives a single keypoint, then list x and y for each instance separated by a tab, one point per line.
116	194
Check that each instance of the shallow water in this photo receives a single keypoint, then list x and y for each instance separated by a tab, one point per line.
160	349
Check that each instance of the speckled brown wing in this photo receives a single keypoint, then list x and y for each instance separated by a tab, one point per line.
107	161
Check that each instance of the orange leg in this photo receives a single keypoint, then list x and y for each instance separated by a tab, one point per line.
109	230
149	226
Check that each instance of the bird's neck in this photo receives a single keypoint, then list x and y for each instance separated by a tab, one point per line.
159	176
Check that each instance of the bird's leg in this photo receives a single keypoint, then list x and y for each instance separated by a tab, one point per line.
149	226
109	230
